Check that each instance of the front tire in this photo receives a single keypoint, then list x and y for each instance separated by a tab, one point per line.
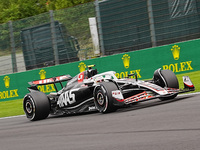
103	99
36	106
167	78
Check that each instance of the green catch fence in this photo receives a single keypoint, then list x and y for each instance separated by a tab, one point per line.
128	25
95	29
51	38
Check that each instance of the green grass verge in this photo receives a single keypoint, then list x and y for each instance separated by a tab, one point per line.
14	107
11	108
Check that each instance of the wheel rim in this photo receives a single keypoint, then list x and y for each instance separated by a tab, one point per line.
29	107
100	99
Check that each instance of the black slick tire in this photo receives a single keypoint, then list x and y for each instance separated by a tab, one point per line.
36	106
171	81
103	97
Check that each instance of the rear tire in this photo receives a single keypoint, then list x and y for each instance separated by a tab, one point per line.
103	99
36	106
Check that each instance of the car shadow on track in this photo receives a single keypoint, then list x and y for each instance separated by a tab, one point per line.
152	103
72	115
136	106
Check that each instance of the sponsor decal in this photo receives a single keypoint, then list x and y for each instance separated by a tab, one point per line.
92	108
81	77
126	73
126	60
179	66
67	98
82	66
6	81
9	93
176	51
45	88
42	74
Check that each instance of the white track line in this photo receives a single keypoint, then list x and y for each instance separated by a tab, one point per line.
196	93
12	117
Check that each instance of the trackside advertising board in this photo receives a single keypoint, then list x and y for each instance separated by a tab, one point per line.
180	58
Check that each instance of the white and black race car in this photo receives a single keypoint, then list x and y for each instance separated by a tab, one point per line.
104	92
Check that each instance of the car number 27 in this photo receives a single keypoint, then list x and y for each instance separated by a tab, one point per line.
66	98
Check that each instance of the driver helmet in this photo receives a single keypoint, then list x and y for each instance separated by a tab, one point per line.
92	72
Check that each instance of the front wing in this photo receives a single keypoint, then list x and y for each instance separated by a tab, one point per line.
148	95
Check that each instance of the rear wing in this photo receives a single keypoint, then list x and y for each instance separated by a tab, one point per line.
52	80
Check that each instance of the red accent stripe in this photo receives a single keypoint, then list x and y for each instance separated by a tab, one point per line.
120	100
189	85
136	98
48	80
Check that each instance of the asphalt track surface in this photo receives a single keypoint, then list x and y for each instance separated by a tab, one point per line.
151	125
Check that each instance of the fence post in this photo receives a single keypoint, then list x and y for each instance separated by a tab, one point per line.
12	45
151	22
54	38
99	28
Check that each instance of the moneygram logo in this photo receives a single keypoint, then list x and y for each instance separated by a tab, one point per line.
126	60
176	51
7	81
82	66
42	74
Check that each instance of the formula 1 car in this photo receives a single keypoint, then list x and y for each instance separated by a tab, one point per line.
104	92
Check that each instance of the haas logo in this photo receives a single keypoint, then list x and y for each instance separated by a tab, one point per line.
67	98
